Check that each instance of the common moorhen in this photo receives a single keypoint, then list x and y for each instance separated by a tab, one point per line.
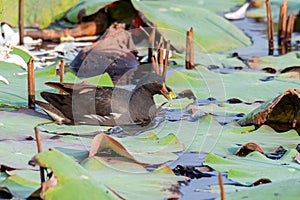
89	104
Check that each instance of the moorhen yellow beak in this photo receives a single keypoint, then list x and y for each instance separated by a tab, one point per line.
164	91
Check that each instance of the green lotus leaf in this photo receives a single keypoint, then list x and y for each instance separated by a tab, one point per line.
212	33
71	177
261	167
22	183
131	180
276	62
38	10
260	12
245	86
287	188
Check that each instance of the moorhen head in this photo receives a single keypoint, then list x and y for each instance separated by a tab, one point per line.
110	106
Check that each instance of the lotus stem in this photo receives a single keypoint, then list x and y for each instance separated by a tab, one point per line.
62	73
289	31
270	27
31	87
21	22
221	184
39	148
151	44
189	60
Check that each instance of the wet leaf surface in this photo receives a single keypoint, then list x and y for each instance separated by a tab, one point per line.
67	180
286	188
18	125
277	63
19	186
260	11
247	86
113	174
261	167
85	8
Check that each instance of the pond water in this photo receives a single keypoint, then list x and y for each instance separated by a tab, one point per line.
256	29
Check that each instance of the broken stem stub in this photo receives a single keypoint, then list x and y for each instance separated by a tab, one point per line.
270	27
62	73
189	60
151	45
31	86
39	148
21	22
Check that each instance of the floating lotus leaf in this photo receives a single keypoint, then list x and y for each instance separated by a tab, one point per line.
153	150
255	166
211	59
226	109
245	86
174	104
138	149
50	12
20	186
92	6
278	63
260	12
83	130
88	7
16	154
233	137
70	177
21	52
207	135
18	82
218	6
212	33
286	188
133	181
125	179
18	125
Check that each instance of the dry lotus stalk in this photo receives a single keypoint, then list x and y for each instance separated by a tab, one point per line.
281	113
245	149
